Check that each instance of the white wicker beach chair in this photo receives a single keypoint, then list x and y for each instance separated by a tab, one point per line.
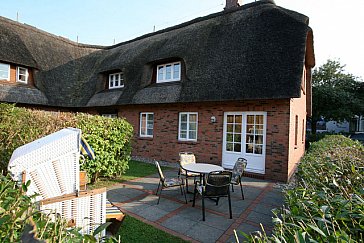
52	165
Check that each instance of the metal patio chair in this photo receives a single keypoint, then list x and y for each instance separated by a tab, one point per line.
217	185
168	182
187	158
237	173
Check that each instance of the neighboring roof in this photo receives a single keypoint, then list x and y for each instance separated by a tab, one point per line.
256	51
22	94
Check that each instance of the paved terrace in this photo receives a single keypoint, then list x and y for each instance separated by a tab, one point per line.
137	198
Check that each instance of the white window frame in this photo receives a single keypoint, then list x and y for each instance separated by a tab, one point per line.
111	115
164	66
8	77
145	133
112	80
188	126
26	75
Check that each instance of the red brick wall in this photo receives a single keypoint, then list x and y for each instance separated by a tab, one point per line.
165	145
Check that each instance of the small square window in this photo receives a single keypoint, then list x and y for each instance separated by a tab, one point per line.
116	80
22	75
187	130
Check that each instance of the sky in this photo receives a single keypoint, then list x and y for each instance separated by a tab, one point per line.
338	25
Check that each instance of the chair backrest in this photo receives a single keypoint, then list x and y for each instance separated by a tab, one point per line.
186	158
238	170
160	172
218	183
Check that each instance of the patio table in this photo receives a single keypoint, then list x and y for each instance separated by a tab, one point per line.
201	168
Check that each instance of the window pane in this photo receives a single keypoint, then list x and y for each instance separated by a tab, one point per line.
184	126
193	126
184	117
249	139
250	129
237	147
238	119
151	117
237	138
249	148
193	117
259	139
160	72
229	147
237	128
229	137
4	71
116	83
229	128
258	149
259	119
259	129
250	119
176	71
183	134
230	118
192	134
150	132
168	72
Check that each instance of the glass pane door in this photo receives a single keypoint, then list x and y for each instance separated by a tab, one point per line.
233	133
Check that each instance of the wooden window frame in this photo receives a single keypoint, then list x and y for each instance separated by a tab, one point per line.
188	126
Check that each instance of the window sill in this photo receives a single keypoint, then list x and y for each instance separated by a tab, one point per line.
145	138
187	142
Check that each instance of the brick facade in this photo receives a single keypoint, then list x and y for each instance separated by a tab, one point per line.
165	145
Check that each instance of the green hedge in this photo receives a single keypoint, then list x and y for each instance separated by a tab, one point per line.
327	203
110	138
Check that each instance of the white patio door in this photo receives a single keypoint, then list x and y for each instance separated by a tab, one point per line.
245	136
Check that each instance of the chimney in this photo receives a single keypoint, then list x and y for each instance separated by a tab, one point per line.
231	4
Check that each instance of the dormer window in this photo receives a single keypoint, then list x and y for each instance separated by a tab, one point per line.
22	75
4	71
116	80
169	72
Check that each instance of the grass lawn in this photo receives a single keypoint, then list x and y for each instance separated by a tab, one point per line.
134	230
136	169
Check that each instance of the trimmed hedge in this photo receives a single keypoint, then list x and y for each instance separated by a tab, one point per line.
327	202
110	138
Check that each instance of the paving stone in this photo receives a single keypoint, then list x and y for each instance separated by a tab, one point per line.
205	233
258	218
247	229
152	213
180	224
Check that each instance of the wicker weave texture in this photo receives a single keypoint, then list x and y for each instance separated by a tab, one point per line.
88	212
51	163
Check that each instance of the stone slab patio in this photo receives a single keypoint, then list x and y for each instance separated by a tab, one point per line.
137	198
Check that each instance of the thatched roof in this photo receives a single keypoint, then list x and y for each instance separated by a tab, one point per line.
256	51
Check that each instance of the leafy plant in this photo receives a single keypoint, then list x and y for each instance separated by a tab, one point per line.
327	203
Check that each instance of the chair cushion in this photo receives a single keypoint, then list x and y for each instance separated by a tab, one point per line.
169	182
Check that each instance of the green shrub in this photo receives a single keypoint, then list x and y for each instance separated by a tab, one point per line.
110	138
327	203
